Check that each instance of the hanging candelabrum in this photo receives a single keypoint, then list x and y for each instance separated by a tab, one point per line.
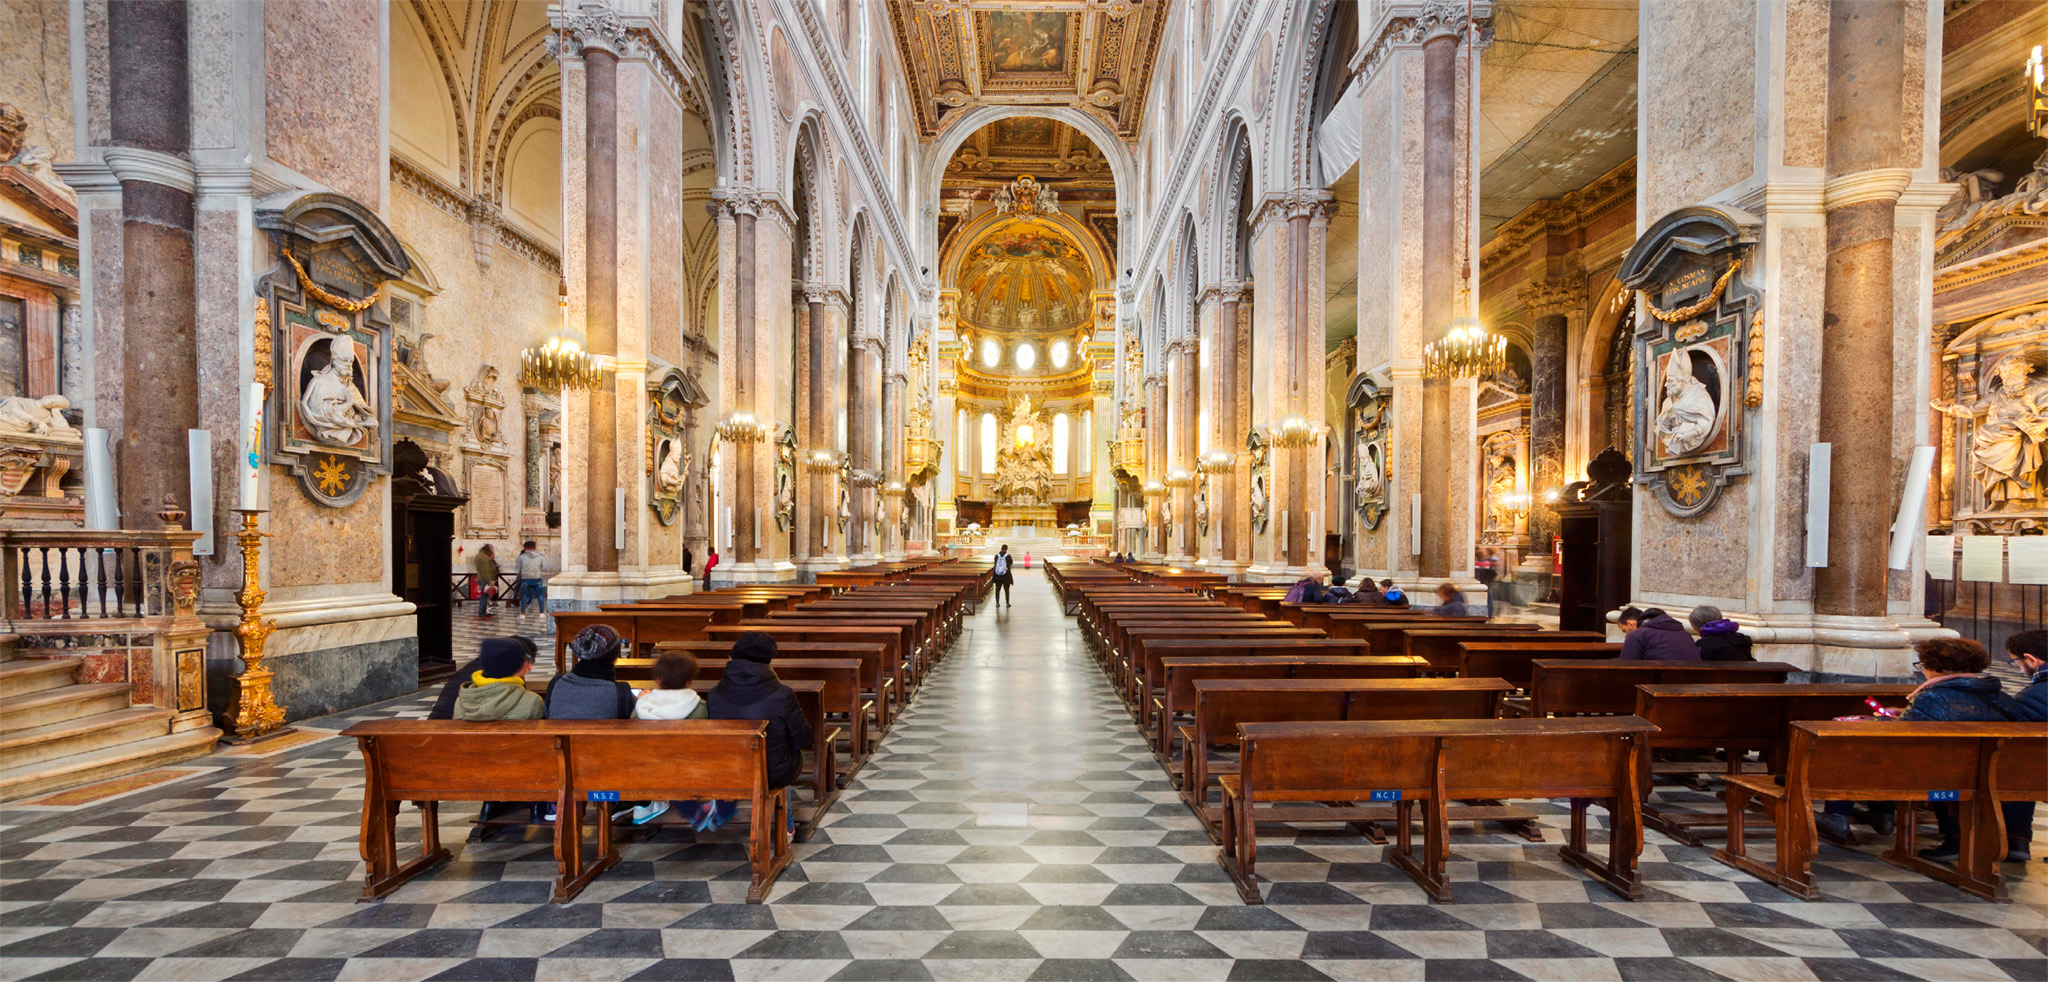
742	428
560	363
1294	432
257	713
822	461
1467	350
1179	479
1217	462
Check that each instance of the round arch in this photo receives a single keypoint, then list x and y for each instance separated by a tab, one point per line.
956	132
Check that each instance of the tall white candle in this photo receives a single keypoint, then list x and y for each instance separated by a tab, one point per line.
249	462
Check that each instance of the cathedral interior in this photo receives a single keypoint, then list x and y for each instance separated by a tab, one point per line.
340	337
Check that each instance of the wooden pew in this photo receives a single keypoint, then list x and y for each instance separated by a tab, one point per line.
1129	661
1222	704
1151	697
1436	761
1738	719
1181	666
1563	687
640	629
1439	646
889	637
1511	660
1973	765
564	761
873	685
840	695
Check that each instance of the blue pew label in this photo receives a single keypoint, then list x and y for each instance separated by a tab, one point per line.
1386	796
604	796
1944	796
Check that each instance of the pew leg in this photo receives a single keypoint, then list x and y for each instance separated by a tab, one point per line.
1976	870
1791	871
1427	872
385	874
769	845
1624	844
1240	847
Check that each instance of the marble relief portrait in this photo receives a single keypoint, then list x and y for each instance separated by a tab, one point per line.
334	400
1689	409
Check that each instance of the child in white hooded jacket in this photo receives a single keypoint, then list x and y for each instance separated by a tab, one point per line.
672	698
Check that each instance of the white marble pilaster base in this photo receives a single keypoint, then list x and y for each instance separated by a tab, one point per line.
1871	647
774	572
625	585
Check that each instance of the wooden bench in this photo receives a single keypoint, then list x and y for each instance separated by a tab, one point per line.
1510	660
872	684
840	696
1150	701
639	629
1561	687
1128	662
568	762
1436	761
1182	665
1222	704
1974	766
889	637
1737	719
1439	646
911	628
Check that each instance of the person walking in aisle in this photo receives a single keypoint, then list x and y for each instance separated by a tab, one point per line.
485	568
1003	579
529	566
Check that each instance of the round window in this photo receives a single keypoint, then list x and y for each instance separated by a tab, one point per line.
1027	356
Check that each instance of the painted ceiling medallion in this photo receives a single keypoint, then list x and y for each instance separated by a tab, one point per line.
1093	54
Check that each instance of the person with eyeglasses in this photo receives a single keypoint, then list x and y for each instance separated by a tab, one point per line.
1957	690
2029	653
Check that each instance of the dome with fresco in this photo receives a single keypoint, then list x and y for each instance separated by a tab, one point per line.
1024	278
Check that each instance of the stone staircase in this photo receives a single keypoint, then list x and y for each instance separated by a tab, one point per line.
56	732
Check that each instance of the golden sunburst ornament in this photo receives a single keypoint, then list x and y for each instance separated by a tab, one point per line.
331	475
1689	485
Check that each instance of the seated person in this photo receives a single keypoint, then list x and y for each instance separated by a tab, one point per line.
592	689
1337	592
2029	653
1956	690
671	698
444	705
1307	590
495	688
1629	619
750	690
1659	638
1391	595
1720	638
1450	602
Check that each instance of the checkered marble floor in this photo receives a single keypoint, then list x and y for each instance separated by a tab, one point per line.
1013	826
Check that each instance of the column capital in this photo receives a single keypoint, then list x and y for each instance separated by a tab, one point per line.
592	25
1554	296
1876	184
137	164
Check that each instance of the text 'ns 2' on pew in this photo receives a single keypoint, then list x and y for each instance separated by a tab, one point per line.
569	762
1435	762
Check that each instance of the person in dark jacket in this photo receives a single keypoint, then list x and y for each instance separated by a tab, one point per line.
1450	602
750	690
2029	653
444	704
592	689
1720	638
1391	595
1957	691
1659	638
1337	592
1629	619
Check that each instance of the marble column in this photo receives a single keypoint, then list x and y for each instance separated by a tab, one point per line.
1155	463
891	534
1867	170
812	503
1180	356
601	300
1439	285
1225	507
534	447
741	387
150	110
71	379
864	393
1547	408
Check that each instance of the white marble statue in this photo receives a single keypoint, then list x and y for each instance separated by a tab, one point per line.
41	417
1371	483
1004	200
668	475
1686	418
2011	443
1259	498
1047	200
330	406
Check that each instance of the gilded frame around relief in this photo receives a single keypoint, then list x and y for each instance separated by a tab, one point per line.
1692	354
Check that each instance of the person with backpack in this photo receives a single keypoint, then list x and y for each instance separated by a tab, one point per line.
1307	590
1003	577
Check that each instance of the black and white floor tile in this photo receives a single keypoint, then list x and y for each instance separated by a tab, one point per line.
1013	826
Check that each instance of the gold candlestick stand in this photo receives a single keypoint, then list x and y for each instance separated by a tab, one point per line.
257	713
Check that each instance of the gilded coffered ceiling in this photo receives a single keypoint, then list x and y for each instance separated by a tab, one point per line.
1051	151
1096	55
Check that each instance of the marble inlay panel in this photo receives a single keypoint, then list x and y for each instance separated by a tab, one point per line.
323	83
1698	79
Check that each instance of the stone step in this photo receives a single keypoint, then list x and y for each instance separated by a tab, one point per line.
7	643
28	675
57	705
83	735
109	762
